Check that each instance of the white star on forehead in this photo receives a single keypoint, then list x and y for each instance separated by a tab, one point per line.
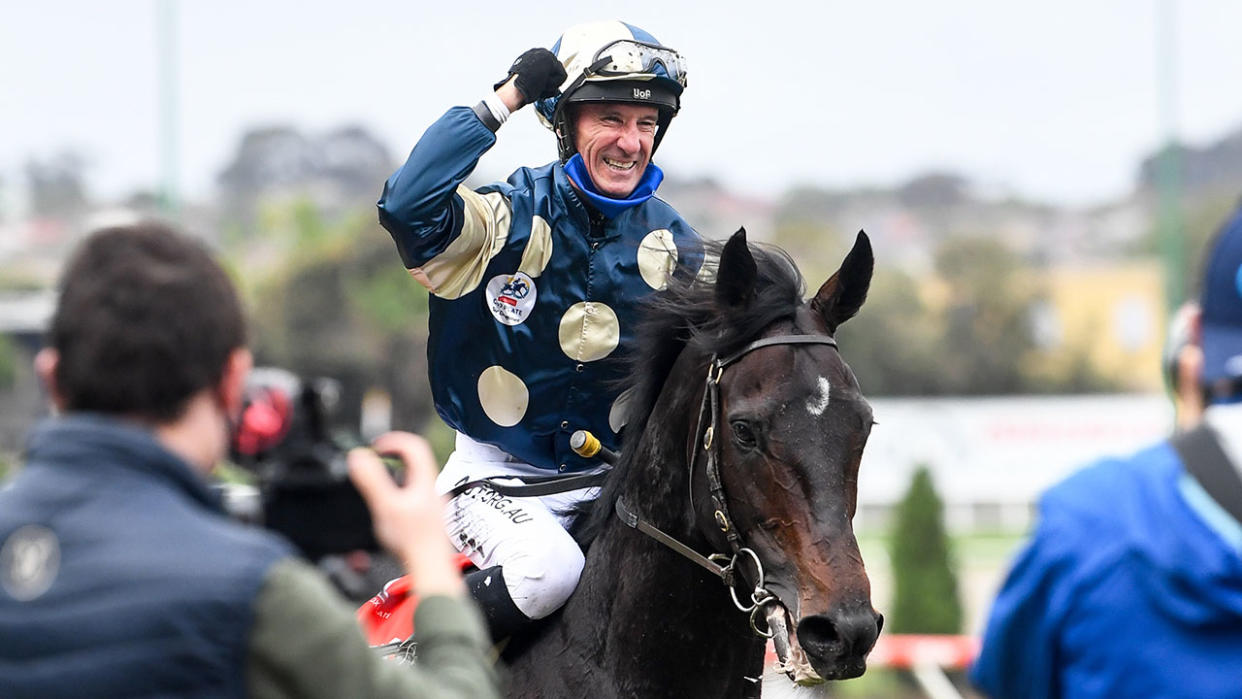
818	403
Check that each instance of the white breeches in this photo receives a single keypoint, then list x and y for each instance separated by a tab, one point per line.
542	562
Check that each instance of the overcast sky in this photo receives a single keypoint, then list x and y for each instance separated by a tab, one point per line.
1054	100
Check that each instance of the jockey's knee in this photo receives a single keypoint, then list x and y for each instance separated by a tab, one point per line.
541	580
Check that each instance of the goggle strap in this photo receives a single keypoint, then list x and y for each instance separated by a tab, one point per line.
656	56
597	65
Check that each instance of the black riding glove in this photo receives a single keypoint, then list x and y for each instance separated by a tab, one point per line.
539	75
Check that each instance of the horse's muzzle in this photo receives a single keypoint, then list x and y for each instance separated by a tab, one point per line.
837	644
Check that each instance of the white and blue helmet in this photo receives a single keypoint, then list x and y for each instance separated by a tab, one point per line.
611	61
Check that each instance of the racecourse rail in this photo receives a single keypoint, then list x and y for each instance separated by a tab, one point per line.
925	656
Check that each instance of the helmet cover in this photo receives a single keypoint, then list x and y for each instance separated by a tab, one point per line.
611	61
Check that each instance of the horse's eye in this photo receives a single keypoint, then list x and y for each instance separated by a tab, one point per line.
742	434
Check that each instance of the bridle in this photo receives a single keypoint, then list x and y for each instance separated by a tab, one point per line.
705	435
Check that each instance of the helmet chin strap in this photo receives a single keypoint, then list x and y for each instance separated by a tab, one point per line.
565	145
662	124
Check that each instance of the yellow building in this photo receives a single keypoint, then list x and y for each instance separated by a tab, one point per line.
1108	317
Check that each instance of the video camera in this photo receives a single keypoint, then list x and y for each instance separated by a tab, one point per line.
285	439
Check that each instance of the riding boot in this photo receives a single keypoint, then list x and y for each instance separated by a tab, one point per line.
488	588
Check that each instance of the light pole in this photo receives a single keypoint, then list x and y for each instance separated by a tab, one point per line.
1168	166
166	62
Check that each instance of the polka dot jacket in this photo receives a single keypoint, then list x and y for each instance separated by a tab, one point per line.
533	297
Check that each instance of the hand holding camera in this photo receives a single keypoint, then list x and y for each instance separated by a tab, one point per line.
408	518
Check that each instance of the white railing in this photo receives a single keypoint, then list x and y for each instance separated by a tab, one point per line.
925	656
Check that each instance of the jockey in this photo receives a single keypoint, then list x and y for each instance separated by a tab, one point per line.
535	284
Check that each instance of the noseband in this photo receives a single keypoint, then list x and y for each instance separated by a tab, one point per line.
705	434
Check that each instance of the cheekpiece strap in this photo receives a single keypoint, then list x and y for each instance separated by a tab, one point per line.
715	370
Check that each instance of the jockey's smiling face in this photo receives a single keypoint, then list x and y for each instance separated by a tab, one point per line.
615	140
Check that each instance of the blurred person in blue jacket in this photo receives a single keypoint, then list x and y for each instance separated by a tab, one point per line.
534	287
1132	583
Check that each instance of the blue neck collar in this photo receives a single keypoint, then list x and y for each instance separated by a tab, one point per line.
609	207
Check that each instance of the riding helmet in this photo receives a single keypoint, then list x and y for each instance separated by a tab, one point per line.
611	61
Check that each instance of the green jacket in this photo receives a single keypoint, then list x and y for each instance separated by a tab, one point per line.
306	643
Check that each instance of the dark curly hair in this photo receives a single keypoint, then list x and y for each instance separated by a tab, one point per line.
146	319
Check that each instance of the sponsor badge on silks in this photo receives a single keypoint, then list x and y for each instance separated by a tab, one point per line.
510	297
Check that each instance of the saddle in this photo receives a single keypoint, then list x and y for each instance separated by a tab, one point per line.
388	617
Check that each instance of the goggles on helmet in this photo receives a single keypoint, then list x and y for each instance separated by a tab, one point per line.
626	57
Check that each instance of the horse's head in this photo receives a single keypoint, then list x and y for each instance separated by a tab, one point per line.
789	430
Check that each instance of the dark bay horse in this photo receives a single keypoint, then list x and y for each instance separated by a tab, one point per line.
757	459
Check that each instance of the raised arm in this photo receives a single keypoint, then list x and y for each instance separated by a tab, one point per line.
442	228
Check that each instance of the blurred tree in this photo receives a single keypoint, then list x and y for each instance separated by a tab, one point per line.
893	344
356	161
817	206
8	362
342	306
339	172
1217	166
987	328
267	160
817	248
143	201
925	593
934	189
968	330
56	185
267	157
1204	214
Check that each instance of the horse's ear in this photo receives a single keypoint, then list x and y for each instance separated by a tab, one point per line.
735	278
843	294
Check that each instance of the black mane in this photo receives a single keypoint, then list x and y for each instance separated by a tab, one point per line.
684	316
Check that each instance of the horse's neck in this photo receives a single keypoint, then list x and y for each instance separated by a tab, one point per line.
665	625
645	620
665	585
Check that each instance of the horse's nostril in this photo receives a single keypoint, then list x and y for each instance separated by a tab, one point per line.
879	623
818	637
846	635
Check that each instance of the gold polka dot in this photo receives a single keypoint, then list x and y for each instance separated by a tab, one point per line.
619	412
657	258
503	395
589	331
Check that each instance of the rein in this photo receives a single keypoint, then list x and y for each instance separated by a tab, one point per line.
760	597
